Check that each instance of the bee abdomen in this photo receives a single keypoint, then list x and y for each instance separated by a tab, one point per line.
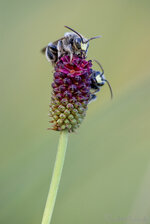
51	52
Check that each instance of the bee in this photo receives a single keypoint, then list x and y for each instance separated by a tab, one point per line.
72	43
97	81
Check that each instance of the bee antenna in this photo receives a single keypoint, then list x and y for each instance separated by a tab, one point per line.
91	39
75	32
111	92
99	66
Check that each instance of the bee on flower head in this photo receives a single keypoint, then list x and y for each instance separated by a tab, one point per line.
73	43
97	81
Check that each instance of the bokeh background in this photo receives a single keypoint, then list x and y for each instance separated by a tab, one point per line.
106	177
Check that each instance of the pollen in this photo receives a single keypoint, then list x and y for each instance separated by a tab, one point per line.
72	71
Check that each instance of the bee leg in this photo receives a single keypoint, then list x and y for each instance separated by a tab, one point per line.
93	91
92	98
96	90
69	49
71	56
60	48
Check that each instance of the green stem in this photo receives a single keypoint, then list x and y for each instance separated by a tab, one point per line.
49	207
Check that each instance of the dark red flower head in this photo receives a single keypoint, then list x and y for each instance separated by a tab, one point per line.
71	93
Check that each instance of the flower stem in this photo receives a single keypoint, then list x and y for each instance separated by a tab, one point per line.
49	207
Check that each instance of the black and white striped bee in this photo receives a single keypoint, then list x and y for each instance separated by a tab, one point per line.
97	81
72	43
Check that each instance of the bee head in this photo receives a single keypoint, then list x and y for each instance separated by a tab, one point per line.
100	78
80	42
80	46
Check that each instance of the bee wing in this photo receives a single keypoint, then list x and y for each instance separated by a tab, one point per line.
43	50
55	43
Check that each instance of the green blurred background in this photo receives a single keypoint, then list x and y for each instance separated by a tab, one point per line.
106	177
